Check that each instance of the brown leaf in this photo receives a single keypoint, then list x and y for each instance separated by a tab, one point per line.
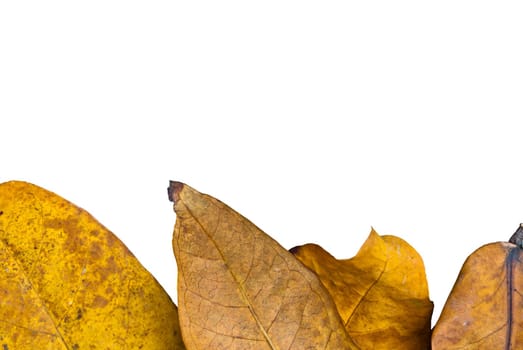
239	289
381	293
483	311
66	282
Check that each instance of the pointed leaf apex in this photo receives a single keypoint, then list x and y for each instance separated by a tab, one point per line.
517	237
174	190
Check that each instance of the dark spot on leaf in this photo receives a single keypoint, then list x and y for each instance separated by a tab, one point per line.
1	212
95	251
72	228
76	347
294	250
111	240
79	314
4	346
99	302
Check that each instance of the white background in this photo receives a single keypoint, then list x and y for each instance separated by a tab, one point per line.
316	120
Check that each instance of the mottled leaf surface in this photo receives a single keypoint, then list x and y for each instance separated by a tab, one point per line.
66	282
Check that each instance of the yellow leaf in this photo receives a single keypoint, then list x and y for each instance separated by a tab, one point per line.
239	289
381	293
66	282
483	311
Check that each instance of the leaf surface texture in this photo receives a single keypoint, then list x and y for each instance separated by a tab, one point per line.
239	289
483	310
381	293
66	282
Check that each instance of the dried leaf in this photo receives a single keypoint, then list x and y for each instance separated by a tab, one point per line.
66	282
483	311
239	289
381	293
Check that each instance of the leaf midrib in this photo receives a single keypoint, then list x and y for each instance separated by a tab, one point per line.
240	286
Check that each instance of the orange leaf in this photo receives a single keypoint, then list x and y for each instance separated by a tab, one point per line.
381	293
483	311
66	282
239	289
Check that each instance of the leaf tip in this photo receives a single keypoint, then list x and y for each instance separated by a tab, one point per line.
517	237
294	250
174	190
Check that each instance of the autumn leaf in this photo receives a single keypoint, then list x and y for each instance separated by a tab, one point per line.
483	311
239	289
66	282
381	293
